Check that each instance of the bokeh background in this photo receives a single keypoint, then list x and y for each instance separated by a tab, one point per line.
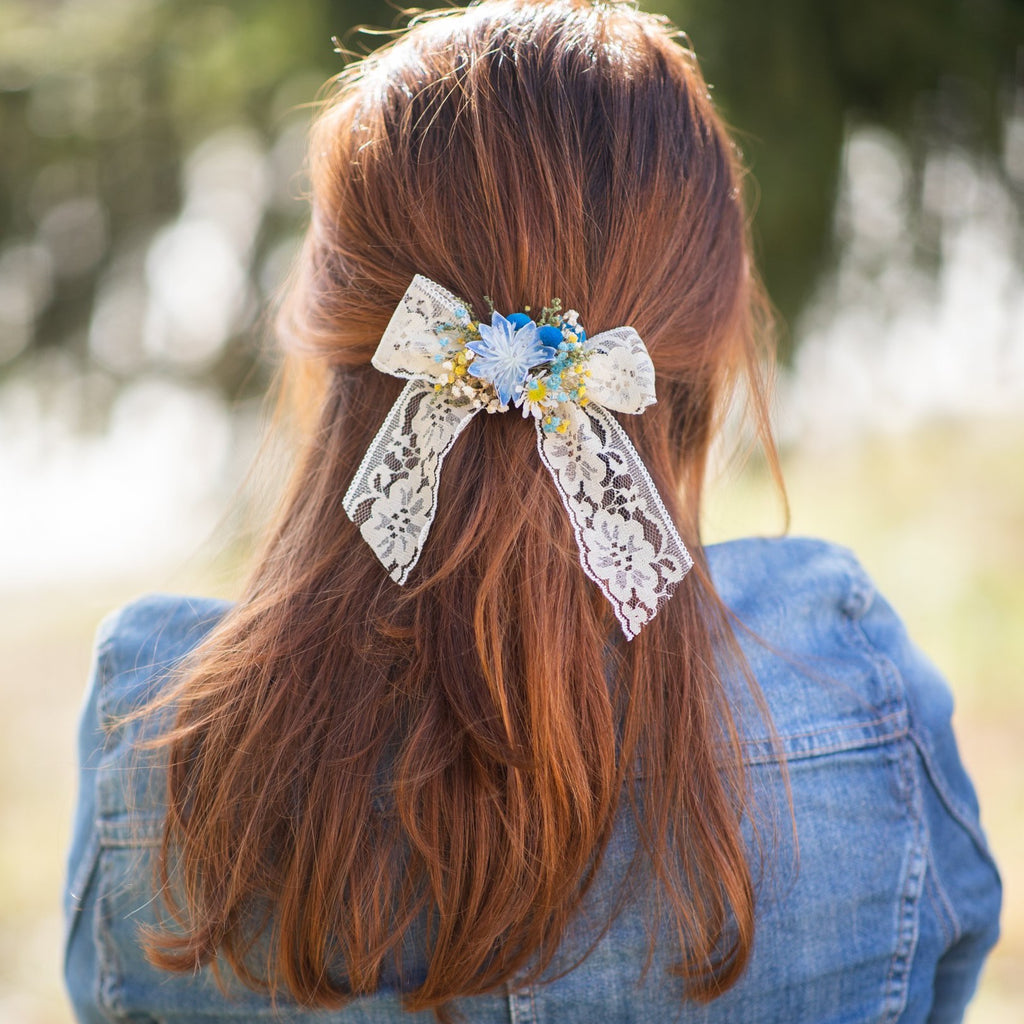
150	203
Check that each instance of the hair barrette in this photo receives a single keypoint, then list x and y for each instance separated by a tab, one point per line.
456	367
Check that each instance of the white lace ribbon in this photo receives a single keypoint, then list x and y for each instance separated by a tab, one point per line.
628	543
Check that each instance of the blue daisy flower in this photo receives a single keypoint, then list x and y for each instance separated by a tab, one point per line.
506	353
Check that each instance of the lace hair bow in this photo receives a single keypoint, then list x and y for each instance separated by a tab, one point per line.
570	384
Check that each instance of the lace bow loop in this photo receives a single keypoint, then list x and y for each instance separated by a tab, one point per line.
621	371
570	384
409	345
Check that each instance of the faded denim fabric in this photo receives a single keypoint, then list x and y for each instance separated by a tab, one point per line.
886	915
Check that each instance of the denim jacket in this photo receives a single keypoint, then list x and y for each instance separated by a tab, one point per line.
882	908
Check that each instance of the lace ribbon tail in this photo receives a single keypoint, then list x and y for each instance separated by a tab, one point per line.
393	496
628	544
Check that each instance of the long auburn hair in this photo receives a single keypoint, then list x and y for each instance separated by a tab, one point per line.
350	757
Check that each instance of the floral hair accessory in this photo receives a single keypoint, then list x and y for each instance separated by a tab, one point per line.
570	384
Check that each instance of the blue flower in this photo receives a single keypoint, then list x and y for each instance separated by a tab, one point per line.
505	354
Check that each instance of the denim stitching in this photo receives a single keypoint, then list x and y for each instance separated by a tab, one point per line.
939	899
935	904
874	732
896	987
952	803
107	668
83	875
886	670
881	720
109	985
522	1007
78	883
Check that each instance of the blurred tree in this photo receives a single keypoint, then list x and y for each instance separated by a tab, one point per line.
102	103
794	76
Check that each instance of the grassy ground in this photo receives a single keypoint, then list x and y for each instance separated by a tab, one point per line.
937	518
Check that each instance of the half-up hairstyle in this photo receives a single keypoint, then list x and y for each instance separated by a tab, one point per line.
351	757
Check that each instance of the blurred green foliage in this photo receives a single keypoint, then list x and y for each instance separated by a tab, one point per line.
104	99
